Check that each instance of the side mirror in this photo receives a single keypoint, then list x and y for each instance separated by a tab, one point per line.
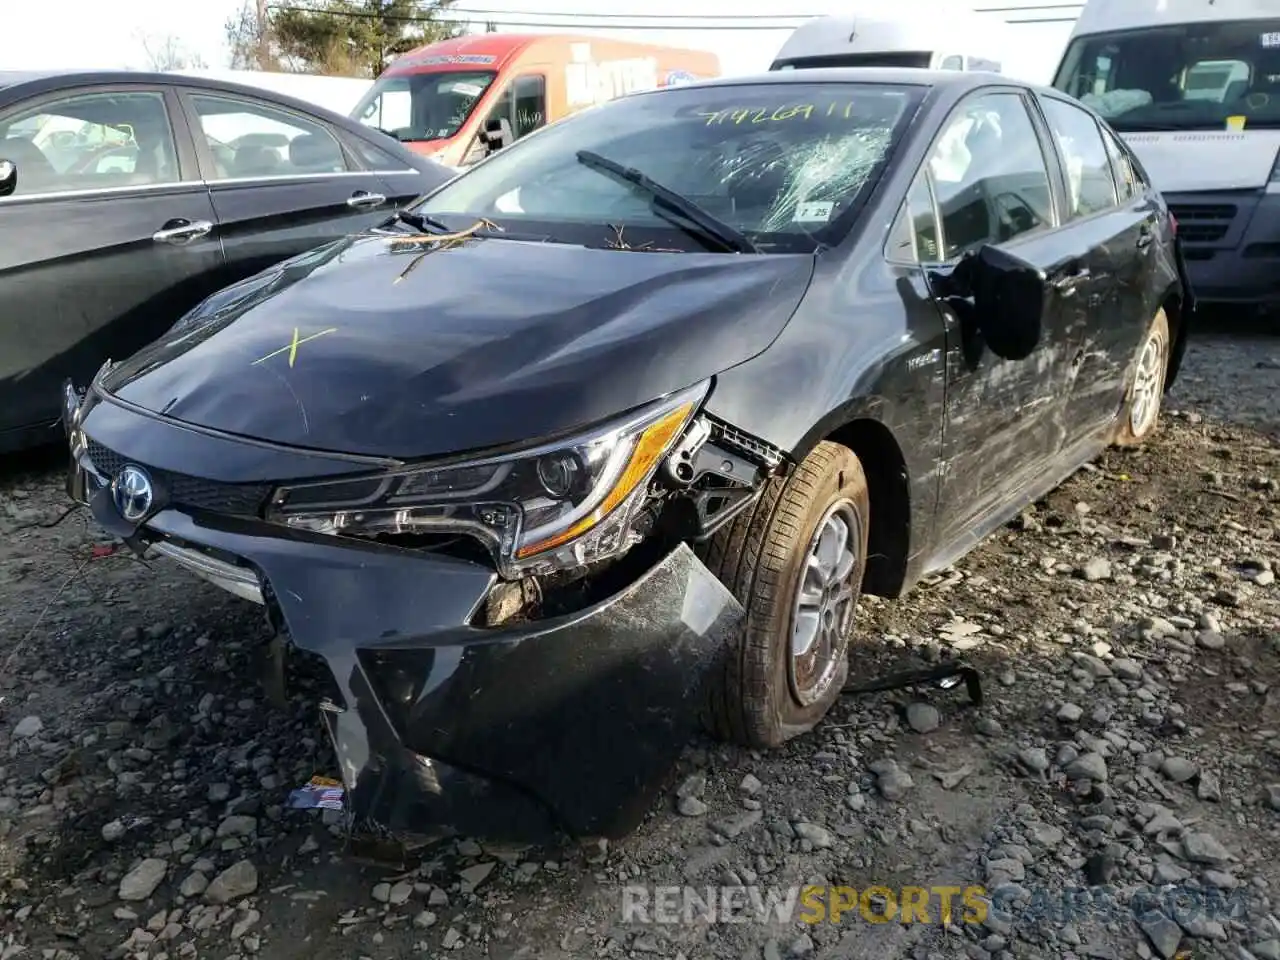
498	134
8	177
1009	298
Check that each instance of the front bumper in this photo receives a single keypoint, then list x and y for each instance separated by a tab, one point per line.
1231	243
522	733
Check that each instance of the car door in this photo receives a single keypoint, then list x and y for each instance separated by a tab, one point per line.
103	246
402	183
1111	230
281	181
993	184
522	103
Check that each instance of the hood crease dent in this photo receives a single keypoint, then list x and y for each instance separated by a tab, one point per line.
486	342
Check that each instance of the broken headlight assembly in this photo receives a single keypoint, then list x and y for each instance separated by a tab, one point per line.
552	507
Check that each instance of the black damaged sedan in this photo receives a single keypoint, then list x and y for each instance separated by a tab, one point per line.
605	437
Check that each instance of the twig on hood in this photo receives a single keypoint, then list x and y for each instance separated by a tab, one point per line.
448	240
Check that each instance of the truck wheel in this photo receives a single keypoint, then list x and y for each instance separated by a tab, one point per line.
1141	412
795	562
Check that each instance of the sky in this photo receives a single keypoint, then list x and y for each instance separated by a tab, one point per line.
92	34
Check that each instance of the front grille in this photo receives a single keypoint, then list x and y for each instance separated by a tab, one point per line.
1203	222
236	499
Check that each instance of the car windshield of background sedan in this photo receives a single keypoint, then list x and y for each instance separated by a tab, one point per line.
786	165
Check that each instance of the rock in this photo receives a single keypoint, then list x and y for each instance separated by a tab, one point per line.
1178	769
475	875
1202	848
1162	822
894	784
1034	759
401	892
1266	949
750	785
238	880
140	882
424	920
194	885
28	727
817	835
1209	788
1211	640
694	785
1044	834
1273	796
245	924
381	892
1127	669
1088	766
1070	713
237	825
113	831
1164	934
988	727
733	827
923	717
1099	568
691	807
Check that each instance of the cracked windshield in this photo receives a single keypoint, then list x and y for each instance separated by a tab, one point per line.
772	162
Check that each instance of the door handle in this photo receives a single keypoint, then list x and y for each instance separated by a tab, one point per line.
362	198
1066	286
182	231
1145	236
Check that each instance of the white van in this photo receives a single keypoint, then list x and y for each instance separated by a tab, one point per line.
956	41
1194	87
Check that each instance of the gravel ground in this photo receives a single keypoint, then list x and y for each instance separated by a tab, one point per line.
1128	629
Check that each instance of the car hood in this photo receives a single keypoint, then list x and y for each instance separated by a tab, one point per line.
389	345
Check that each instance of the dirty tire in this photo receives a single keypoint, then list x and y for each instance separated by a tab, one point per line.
760	557
1138	420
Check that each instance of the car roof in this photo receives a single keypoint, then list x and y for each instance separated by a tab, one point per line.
19	85
957	81
51	80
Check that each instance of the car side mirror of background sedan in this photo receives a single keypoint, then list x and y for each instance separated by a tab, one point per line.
1009	298
8	177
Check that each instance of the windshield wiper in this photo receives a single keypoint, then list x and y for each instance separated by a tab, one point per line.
422	223
697	221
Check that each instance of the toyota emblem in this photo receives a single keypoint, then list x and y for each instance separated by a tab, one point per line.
133	493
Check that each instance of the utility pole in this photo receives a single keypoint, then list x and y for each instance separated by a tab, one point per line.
264	36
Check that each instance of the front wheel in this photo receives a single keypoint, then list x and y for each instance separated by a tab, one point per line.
795	562
1141	412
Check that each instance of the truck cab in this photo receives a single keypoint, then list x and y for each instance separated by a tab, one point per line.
459	100
885	40
1194	87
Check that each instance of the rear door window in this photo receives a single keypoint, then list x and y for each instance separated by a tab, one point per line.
249	139
1091	184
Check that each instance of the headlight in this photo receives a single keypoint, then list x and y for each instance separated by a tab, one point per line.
550	507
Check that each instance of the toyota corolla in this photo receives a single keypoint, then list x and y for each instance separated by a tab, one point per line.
606	436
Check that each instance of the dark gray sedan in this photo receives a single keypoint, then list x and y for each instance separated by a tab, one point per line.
126	198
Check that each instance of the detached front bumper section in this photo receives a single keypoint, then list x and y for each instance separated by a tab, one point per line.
521	733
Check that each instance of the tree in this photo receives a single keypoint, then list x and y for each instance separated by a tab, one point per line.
357	37
249	38
168	53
